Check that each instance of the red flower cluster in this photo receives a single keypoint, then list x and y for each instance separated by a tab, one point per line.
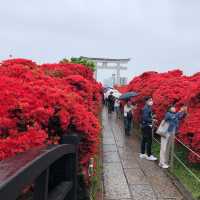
172	88
29	95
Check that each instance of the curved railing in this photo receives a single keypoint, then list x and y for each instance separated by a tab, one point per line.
50	171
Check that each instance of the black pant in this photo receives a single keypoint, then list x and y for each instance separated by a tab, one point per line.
146	140
110	107
127	125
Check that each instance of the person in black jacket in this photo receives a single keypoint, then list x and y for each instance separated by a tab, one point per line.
147	123
111	102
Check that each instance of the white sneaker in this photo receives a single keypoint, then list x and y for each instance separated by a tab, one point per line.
142	156
152	158
164	166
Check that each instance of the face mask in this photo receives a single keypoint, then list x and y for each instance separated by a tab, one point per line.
150	103
173	110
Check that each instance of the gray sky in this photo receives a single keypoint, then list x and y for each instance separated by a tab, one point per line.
156	34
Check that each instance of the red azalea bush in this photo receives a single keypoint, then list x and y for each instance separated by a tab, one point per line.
29	95
172	88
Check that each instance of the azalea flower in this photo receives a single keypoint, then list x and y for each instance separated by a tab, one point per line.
29	95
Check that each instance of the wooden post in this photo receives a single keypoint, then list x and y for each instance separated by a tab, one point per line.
41	186
72	164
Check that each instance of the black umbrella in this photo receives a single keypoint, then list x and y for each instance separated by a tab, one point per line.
128	95
105	89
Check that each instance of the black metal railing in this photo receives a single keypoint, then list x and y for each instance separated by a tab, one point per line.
51	172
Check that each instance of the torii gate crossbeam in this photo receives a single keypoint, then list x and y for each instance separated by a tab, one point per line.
109	63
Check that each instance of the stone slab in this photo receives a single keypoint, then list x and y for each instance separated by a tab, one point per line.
164	188
109	147
135	176
143	192
110	156
151	168
115	183
130	164
108	140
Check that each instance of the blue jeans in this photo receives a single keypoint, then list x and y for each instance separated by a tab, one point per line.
117	109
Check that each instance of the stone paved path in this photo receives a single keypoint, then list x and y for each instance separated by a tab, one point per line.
126	176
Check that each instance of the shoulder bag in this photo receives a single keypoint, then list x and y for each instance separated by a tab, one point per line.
163	128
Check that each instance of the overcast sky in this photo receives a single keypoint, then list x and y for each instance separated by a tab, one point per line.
157	34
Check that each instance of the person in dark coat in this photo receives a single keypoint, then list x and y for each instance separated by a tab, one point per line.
111	102
147	123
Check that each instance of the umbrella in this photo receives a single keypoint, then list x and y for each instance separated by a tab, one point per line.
117	94
128	95
105	89
108	87
107	93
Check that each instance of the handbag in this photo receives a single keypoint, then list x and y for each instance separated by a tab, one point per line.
163	128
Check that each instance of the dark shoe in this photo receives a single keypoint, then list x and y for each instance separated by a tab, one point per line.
126	132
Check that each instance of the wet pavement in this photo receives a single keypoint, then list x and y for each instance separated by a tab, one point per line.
126	176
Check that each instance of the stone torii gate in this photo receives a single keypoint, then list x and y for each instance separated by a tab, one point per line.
109	63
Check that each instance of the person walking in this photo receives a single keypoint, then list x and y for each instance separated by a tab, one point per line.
147	123
172	118
111	101
117	107
128	117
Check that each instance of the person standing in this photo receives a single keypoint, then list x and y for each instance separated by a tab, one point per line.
172	118
128	117
147	123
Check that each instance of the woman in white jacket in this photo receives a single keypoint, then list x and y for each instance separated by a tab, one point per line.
128	116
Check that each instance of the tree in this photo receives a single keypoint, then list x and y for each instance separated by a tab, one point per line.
88	63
